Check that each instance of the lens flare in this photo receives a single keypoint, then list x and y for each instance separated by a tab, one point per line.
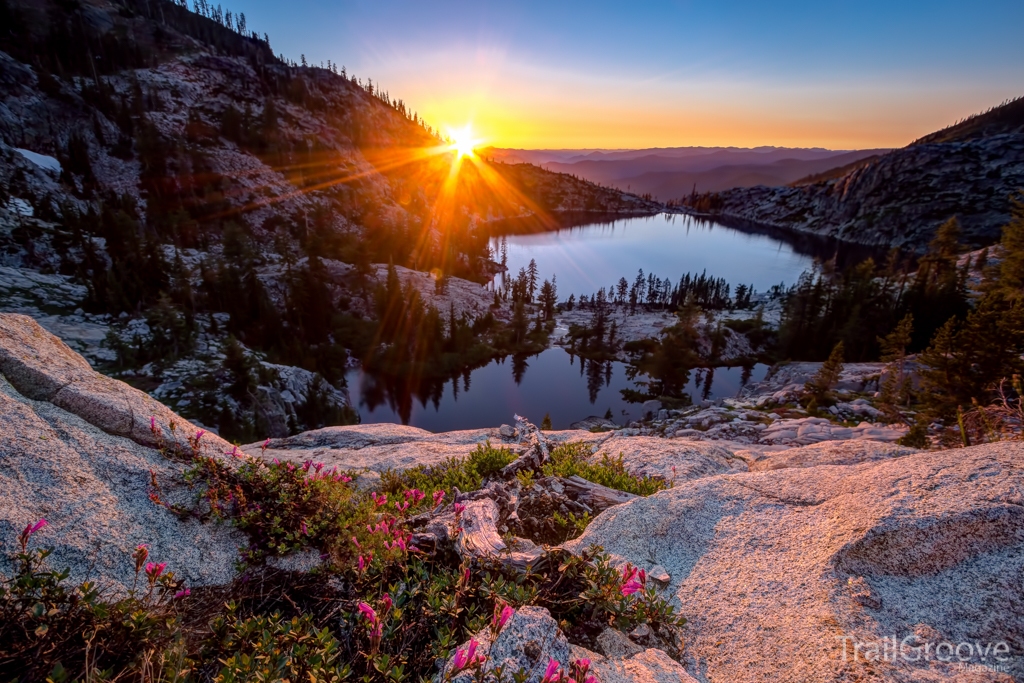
463	142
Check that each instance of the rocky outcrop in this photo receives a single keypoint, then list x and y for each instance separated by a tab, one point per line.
41	367
77	450
900	199
531	639
795	574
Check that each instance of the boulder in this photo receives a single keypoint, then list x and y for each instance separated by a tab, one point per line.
809	568
830	453
615	643
532	638
41	367
92	488
528	641
647	666
672	459
593	422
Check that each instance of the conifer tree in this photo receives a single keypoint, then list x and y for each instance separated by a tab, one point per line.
1011	270
531	283
894	345
820	386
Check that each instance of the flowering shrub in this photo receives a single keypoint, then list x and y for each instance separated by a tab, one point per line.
48	628
380	610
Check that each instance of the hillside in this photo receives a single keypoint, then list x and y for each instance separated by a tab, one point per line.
672	173
215	223
969	170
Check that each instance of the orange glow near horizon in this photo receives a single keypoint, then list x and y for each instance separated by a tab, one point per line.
520	106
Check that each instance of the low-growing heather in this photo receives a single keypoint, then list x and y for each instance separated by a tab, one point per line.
574	459
465	474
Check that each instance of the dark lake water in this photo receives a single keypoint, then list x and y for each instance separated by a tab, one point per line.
589	257
551	382
584	259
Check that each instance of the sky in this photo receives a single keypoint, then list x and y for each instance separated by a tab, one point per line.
575	75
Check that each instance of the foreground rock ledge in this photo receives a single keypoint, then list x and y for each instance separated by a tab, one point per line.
777	571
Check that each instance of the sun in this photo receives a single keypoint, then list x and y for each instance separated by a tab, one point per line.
463	143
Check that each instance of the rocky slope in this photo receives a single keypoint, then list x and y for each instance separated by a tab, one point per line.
795	573
968	171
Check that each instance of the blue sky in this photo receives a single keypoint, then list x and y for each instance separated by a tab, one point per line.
601	74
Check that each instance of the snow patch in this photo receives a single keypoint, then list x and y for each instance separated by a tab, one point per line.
20	207
41	160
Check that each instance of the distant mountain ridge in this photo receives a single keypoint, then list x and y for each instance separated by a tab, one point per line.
969	171
673	172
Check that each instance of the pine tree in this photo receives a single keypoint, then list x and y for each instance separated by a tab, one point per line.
820	386
531	272
545	424
939	372
1011	271
894	345
548	299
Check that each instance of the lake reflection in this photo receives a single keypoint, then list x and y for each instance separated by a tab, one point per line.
552	382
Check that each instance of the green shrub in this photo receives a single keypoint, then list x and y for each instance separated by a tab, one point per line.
466	474
48	628
272	648
574	459
916	437
570	526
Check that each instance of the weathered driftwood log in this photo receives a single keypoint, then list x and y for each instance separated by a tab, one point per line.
594	496
532	448
475	533
479	538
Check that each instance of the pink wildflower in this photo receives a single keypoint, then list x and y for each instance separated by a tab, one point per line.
182	594
459	509
551	673
29	530
379	499
368	612
387	602
580	668
234	452
362	564
502	614
630	587
438	497
140	555
302	525
466	657
199	434
154	570
355	542
265	446
152	423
